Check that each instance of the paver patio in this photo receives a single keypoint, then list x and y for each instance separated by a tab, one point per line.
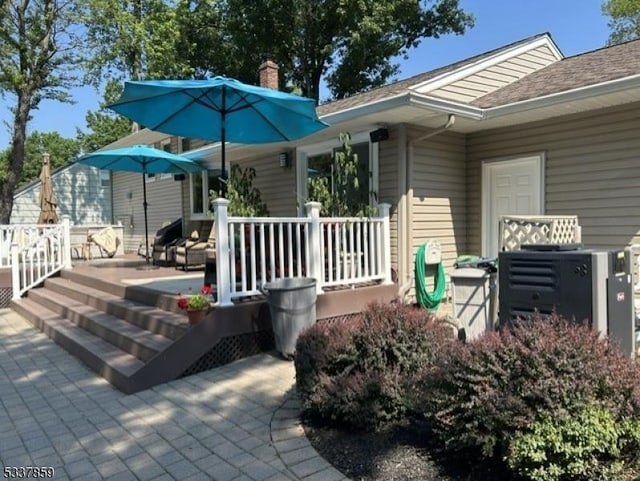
237	422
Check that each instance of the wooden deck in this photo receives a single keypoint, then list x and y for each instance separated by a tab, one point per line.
124	322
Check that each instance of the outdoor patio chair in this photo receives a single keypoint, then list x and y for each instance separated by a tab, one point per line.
192	252
163	242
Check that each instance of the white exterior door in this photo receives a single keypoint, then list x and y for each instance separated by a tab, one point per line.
511	187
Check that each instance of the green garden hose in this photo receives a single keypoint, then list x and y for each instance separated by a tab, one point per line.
428	300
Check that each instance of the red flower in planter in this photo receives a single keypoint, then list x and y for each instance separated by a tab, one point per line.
196	302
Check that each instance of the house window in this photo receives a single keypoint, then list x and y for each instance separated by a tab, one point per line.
317	161
105	178
185	144
200	184
150	178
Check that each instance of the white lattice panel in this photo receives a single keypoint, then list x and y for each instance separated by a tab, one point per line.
518	230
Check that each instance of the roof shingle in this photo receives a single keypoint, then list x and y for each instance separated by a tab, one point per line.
401	86
590	68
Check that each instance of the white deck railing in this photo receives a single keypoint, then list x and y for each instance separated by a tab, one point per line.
34	252
334	251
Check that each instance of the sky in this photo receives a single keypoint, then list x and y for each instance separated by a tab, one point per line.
576	26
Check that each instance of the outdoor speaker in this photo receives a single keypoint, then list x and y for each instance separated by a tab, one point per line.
379	135
179	177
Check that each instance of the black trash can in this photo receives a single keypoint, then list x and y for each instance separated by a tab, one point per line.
292	302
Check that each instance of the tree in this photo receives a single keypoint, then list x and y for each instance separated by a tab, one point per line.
350	42
61	150
625	20
39	49
133	39
105	125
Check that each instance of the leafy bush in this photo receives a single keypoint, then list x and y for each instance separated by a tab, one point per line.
362	372
480	394
589	445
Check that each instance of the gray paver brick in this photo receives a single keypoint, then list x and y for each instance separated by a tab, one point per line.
182	469
79	468
328	474
223	472
299	455
291	444
310	466
74	420
259	470
109	468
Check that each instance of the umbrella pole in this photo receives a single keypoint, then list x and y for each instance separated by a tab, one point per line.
146	227
223	134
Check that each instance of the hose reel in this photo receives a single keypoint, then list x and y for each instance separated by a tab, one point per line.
429	257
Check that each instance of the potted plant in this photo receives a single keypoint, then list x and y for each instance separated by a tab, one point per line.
244	198
196	305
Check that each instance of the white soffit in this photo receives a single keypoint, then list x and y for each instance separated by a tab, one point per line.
142	137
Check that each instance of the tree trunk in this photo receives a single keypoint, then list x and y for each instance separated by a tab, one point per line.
16	157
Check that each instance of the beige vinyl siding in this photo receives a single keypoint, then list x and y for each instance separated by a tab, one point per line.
496	76
439	195
277	184
79	193
592	170
163	198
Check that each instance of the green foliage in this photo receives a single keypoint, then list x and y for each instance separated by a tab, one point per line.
40	49
589	445
362	372
347	198
482	393
134	39
351	43
244	198
624	20
106	126
61	151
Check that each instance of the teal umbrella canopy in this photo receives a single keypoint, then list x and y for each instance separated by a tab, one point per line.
145	160
221	109
141	158
201	109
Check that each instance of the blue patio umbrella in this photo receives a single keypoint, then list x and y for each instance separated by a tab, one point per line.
143	159
221	109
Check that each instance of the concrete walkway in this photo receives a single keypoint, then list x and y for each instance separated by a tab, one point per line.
234	423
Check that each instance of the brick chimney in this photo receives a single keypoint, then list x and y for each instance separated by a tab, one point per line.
269	74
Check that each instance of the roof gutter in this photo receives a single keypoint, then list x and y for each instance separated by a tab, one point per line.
405	99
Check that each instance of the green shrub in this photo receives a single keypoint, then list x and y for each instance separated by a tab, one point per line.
363	372
589	445
480	394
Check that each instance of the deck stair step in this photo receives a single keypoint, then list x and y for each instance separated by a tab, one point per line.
116	365
134	335
151	318
130	338
137	293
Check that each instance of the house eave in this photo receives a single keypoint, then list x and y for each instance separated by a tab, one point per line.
406	99
450	77
573	95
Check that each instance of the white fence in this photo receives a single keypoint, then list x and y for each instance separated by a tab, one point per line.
34	252
334	251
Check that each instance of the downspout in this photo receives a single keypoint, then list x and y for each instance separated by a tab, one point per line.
408	207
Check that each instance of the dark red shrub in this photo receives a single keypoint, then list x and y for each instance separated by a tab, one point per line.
481	394
363	372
